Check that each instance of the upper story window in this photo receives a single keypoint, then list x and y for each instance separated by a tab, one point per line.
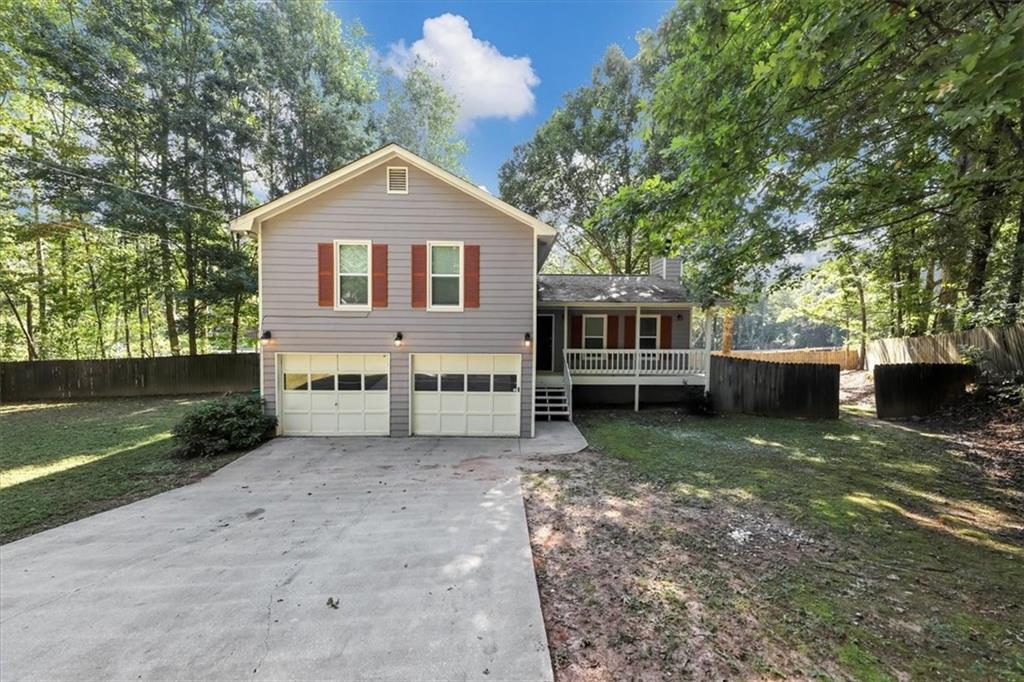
444	275
398	180
353	263
650	326
594	331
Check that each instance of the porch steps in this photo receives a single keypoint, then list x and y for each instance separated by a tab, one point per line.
551	401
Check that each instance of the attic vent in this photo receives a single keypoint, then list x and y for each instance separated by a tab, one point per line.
398	180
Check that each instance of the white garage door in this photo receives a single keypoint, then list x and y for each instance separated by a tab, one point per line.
466	395
330	394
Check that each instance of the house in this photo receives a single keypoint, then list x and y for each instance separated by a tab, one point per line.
397	299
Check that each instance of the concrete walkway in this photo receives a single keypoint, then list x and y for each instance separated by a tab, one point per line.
421	543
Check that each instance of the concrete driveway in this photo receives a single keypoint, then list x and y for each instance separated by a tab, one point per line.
422	544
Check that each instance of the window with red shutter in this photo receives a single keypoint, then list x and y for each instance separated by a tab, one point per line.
325	274
471	258
380	276
419	275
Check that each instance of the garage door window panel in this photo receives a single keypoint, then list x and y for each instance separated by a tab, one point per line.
376	382
453	383
350	382
426	381
505	383
478	383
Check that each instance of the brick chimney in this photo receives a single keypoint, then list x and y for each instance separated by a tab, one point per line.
667	268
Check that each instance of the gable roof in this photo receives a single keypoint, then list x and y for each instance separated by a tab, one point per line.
250	221
609	289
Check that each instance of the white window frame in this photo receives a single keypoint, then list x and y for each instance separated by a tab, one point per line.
387	179
657	332
604	332
430	278
356	307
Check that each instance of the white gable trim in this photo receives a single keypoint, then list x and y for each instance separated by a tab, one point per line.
250	222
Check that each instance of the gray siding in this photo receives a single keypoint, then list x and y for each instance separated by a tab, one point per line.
432	211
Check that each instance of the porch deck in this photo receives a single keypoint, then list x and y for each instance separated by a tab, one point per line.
678	367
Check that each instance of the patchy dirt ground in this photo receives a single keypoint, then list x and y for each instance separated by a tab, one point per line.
769	553
857	388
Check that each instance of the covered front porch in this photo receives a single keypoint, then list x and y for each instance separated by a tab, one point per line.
617	345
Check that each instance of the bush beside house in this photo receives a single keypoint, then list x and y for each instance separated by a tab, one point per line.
236	422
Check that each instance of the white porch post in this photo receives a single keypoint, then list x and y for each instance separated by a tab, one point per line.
565	331
636	362
709	328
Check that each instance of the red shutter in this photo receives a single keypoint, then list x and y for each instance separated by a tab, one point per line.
325	274
612	333
419	275
380	275
576	331
666	332
630	336
471	261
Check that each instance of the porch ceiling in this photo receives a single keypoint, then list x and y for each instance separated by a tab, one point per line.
570	289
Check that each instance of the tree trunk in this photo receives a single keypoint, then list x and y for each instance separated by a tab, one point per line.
41	336
26	329
94	288
988	210
727	320
1013	295
863	325
236	314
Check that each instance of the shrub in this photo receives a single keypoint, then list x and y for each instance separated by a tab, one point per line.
235	422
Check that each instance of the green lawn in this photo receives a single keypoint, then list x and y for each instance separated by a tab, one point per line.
751	547
63	461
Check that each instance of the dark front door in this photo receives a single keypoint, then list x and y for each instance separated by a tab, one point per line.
545	342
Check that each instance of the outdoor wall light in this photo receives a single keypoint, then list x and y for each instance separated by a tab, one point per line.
398	340
527	341
265	337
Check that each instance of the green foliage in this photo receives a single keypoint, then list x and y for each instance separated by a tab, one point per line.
888	137
237	422
587	151
420	116
131	133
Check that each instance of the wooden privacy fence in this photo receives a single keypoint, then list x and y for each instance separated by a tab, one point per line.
186	374
846	358
774	389
918	389
1003	348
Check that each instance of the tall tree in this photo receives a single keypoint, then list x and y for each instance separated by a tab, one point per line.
586	151
420	115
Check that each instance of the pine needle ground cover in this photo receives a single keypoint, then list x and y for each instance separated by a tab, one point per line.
744	547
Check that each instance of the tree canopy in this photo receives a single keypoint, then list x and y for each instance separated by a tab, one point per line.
132	132
884	139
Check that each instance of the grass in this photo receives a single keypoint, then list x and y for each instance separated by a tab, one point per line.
851	548
62	461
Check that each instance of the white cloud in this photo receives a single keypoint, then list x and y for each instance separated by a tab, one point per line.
487	83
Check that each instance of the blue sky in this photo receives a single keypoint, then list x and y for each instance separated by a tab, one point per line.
503	100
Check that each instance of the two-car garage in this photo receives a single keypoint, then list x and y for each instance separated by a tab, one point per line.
350	394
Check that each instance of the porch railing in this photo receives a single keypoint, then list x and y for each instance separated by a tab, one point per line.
625	362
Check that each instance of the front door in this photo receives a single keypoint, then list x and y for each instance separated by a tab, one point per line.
545	343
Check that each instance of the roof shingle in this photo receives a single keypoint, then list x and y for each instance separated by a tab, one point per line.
609	289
